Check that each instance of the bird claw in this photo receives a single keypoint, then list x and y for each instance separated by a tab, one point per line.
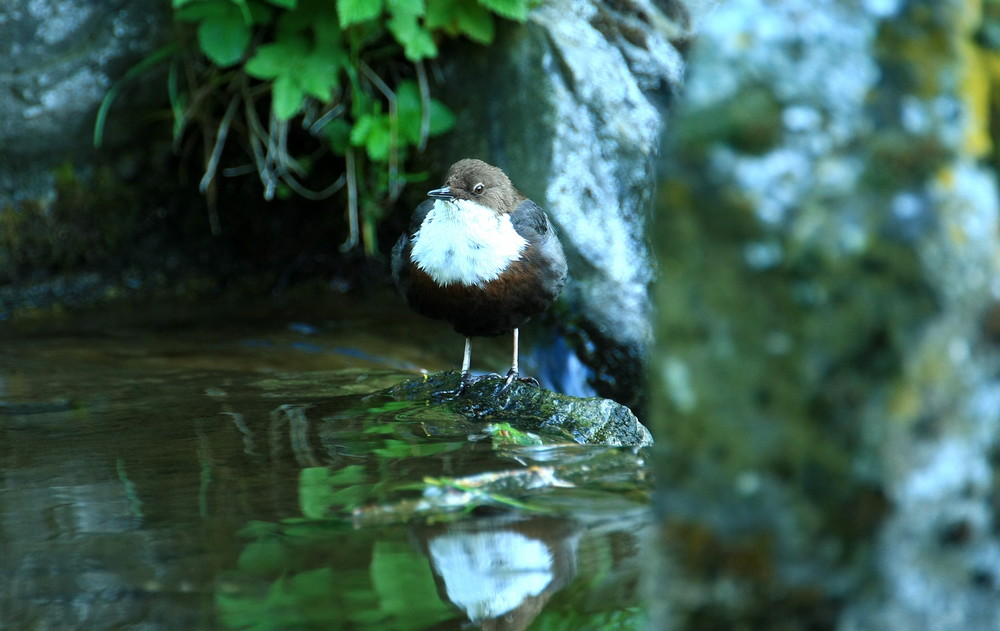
513	375
468	379
463	383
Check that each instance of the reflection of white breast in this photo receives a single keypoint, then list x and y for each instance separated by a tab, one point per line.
488	574
463	242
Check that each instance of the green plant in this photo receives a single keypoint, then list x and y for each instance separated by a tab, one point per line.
350	72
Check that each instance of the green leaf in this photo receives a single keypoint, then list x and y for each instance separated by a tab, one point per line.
409	111
357	11
316	15
260	13
272	60
405	7
338	134
439	13
224	38
361	129
512	9
197	10
244	10
285	4
442	118
460	17
475	22
373	132
416	40
286	97
318	77
296	72
330	43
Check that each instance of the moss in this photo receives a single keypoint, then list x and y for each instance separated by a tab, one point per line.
89	222
528	408
752	124
918	47
899	160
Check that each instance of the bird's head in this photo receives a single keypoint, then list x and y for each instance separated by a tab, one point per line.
475	181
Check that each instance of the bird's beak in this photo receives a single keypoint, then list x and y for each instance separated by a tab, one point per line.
441	193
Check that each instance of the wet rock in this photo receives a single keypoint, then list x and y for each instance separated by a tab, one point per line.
529	408
828	241
61	57
593	76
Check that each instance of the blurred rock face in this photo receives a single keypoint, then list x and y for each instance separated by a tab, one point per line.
827	239
60	59
569	106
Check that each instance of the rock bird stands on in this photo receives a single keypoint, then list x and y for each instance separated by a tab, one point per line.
479	255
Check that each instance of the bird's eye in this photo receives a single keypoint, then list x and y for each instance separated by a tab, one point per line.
478	189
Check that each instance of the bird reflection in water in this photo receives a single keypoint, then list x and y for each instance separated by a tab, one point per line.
502	571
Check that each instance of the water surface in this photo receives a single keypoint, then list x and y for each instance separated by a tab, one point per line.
223	467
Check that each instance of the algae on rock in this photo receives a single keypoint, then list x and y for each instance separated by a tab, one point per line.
593	420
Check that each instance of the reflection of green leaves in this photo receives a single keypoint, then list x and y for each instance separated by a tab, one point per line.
382	428
323	490
564	619
405	587
402	449
287	602
263	555
278	585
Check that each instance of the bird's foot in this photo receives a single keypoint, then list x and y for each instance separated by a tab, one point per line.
490	376
513	375
464	382
469	379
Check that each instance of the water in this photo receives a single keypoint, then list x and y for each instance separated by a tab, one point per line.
224	467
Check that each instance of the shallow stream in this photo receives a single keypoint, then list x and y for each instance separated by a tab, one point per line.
224	467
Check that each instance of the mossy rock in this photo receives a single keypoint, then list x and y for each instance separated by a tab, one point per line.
528	408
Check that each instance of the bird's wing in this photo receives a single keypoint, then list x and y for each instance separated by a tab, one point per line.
529	220
398	262
418	215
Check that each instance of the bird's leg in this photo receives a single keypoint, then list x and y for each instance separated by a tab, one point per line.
466	378
513	374
467	362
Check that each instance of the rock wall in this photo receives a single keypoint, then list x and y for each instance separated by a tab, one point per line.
60	59
827	236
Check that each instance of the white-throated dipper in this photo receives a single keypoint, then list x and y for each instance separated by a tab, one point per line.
479	255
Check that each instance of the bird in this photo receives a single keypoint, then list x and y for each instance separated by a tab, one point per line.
481	256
